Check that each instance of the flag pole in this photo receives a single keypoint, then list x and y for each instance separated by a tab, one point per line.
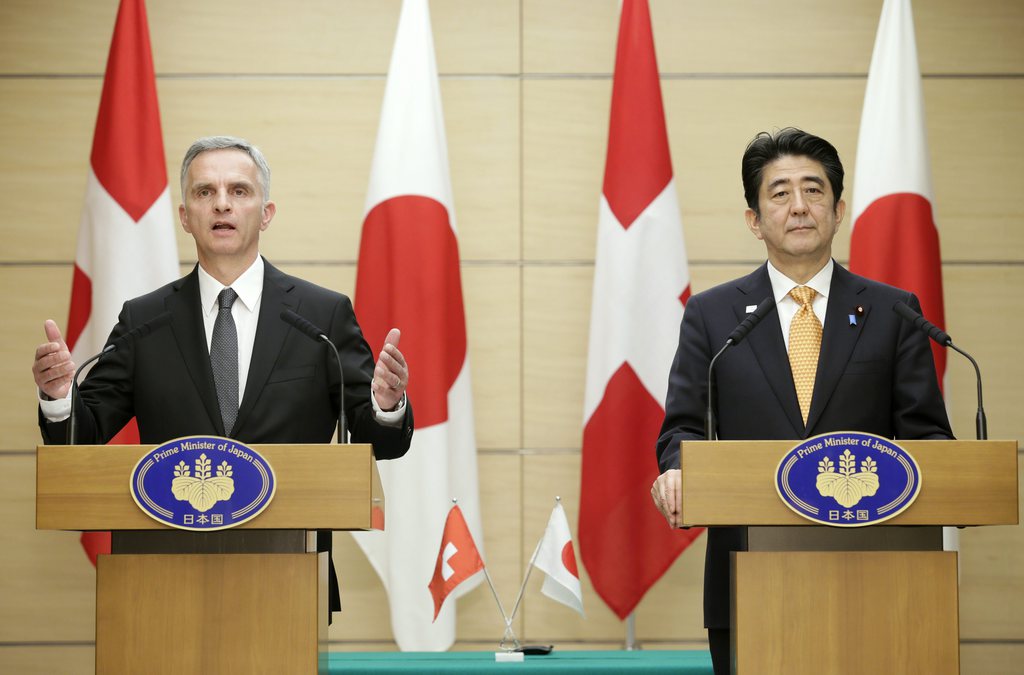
529	570
631	643
497	601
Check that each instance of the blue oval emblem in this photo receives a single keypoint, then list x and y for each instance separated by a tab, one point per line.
202	483
848	479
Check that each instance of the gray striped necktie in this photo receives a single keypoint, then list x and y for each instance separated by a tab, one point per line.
224	359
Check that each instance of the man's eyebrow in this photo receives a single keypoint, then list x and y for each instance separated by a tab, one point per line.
817	180
777	182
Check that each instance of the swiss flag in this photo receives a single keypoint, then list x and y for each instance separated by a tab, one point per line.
457	560
408	277
641	283
894	235
126	244
556	558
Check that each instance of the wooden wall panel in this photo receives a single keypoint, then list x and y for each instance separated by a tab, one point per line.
976	159
28	296
980	319
240	36
46	129
572	36
48	585
49	659
556	323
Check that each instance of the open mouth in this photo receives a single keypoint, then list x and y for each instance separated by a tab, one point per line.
223	226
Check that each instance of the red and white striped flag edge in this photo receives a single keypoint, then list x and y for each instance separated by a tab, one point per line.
408	277
557	559
895	239
126	244
458	559
641	283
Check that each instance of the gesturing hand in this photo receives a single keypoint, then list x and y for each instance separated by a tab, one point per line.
53	367
391	375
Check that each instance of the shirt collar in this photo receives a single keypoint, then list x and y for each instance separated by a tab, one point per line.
782	285
249	287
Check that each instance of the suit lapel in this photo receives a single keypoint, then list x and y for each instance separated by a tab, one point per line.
270	335
190	334
839	337
769	348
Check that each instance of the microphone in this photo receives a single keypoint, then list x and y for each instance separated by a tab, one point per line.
735	337
136	333
308	329
908	314
922	324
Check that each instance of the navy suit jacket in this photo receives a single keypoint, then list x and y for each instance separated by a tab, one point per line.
876	375
165	380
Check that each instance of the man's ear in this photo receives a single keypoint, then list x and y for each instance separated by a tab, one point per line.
183	217
753	222
269	209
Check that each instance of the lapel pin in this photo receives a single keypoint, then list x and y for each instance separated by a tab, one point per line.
853	319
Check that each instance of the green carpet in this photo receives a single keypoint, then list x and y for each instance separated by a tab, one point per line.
686	662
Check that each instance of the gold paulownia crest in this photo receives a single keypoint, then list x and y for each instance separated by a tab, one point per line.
848	486
202	491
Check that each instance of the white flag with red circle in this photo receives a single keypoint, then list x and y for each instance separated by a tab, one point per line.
894	238
557	559
408	277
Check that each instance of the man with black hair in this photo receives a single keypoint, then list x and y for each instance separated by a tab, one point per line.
807	368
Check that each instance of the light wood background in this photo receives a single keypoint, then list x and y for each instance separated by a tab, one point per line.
526	87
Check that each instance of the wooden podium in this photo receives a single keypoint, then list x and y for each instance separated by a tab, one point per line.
250	599
811	599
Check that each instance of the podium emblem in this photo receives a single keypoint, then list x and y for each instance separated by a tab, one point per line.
202	483
848	479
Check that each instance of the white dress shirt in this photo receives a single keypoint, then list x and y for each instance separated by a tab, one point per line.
788	307
246	313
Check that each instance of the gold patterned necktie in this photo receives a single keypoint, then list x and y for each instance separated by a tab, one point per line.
804	345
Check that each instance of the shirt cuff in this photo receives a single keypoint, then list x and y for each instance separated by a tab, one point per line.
385	418
55	410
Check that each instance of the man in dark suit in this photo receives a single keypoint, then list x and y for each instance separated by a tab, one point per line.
225	363
868	369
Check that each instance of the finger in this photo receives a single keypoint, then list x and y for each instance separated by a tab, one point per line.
386	377
672	505
52	331
394	335
48	359
46	349
393	352
391	362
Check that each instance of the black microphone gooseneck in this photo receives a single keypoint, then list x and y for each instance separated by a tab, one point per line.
317	335
136	333
735	337
942	337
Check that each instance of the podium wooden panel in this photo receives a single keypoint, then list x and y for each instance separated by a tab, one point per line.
846	601
188	612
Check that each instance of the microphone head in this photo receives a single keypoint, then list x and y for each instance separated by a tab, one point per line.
302	325
760	312
905	312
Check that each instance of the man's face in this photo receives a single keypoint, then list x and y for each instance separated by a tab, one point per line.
799	215
223	207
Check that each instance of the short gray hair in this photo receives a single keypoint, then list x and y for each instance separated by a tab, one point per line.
209	143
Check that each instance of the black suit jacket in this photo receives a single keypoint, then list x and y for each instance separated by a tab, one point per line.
876	376
165	381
